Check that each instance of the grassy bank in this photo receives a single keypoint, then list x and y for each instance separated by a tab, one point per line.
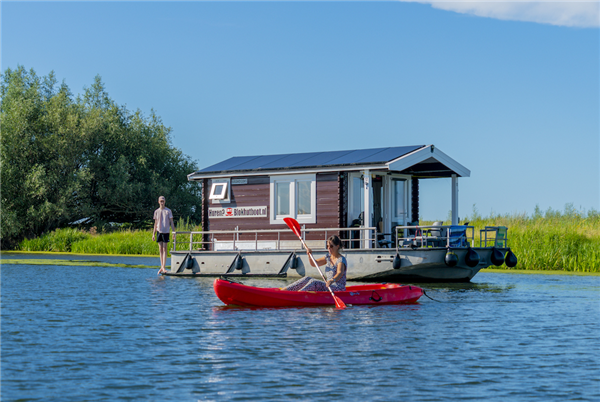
562	241
124	242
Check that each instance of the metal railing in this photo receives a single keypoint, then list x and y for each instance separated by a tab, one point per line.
352	238
434	236
363	238
498	240
449	236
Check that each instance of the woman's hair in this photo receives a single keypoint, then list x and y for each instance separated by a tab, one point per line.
334	240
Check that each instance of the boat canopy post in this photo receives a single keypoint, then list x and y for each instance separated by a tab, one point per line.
454	199
367	206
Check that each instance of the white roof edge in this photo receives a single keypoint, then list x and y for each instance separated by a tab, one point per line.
422	154
209	175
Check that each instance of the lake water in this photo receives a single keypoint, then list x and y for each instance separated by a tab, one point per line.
85	333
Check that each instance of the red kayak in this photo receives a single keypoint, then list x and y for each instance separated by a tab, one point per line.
232	293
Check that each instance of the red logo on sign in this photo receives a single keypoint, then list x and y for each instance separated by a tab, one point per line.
229	212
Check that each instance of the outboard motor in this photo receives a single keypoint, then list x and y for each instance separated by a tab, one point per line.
472	258
451	259
510	259
497	257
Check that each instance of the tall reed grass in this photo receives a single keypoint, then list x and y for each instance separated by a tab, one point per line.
126	241
550	240
138	242
60	240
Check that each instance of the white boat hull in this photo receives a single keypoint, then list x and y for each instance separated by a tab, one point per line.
416	265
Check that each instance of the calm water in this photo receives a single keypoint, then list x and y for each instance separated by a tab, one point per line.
78	333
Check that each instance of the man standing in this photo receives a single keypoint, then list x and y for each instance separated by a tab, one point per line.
163	221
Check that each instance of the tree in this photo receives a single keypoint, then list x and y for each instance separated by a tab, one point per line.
65	159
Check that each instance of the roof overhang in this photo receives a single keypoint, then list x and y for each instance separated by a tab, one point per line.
428	162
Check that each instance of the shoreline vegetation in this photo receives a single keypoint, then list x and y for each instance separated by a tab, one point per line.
84	161
566	241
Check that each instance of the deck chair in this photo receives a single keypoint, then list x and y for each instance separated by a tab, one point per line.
458	236
437	234
355	234
412	232
381	240
501	237
409	235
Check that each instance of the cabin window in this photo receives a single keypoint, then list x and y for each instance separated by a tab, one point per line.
303	194
219	191
295	197
282	203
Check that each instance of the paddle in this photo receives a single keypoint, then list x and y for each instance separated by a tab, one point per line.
295	226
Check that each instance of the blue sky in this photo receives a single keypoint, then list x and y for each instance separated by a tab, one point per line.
510	90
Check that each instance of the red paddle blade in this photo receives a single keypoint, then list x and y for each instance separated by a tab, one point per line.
294	225
339	304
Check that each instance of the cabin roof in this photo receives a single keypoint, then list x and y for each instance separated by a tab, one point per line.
418	160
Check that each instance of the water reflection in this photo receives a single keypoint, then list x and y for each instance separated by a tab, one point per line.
126	334
467	287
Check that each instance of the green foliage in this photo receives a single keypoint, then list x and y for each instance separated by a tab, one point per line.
60	240
137	242
120	241
550	240
183	239
66	159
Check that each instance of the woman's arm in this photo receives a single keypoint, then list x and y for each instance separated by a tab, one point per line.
339	273
320	261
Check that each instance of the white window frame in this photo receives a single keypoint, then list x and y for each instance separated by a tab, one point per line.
220	198
352	208
293	180
400	220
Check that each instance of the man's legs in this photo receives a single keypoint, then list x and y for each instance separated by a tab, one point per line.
162	248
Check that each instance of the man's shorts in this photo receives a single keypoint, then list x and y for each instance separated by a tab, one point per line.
162	237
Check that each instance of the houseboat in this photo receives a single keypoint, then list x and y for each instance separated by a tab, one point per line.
368	197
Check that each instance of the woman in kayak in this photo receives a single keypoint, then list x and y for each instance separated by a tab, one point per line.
335	270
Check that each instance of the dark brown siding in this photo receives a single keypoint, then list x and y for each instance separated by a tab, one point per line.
253	194
257	193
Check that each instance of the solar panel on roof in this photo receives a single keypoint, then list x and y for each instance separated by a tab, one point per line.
228	164
310	159
355	156
291	160
321	159
260	162
388	154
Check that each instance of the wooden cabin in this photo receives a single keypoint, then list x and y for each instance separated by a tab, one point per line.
377	189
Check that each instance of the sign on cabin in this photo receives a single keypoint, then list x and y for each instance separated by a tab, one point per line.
238	212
